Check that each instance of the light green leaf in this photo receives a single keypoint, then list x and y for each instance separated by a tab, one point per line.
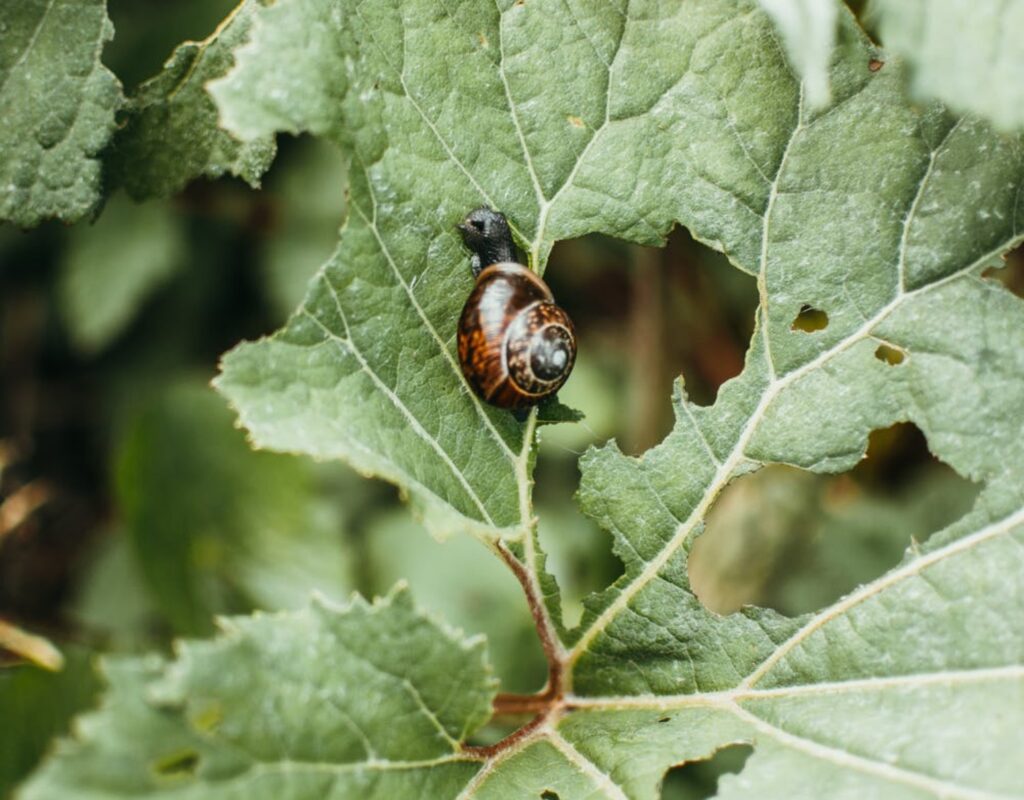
214	527
968	55
57	103
309	193
808	28
367	701
111	266
581	117
171	135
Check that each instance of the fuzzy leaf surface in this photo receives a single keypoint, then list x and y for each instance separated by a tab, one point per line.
808	28
626	119
365	701
171	132
57	105
967	55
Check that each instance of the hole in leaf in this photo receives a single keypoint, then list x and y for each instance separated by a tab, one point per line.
179	764
696	780
665	719
890	355
1011	274
644	316
796	541
547	794
809	320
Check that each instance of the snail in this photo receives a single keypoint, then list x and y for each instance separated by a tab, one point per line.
516	346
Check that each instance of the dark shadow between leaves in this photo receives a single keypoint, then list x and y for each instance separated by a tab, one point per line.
697	780
796	541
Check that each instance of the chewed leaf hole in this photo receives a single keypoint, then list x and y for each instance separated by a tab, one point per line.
180	764
696	780
547	794
796	541
644	316
810	319
890	355
1011	273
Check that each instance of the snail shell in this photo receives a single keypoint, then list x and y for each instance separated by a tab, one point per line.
516	346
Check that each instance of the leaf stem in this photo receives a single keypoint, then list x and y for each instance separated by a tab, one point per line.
553	650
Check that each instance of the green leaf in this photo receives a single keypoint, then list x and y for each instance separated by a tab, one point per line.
965	54
453	580
367	701
808	28
882	215
38	705
112	266
171	133
309	190
215	527
57	102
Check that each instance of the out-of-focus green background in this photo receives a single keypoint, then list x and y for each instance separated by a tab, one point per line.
132	511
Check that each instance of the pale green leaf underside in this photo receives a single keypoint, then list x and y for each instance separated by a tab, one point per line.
808	28
57	104
594	116
969	55
170	133
330	702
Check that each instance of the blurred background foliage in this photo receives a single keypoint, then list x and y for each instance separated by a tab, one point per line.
133	511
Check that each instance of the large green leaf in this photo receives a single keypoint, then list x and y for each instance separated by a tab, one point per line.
215	528
367	701
968	55
57	103
626	119
170	134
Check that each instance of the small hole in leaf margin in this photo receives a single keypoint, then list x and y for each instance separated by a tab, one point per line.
809	320
547	794
796	541
1011	274
696	780
891	355
178	764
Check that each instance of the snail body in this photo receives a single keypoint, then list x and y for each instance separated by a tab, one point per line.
516	345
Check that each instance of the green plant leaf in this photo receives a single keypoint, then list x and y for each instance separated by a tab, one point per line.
170	134
967	55
450	579
112	266
57	103
808	28
879	214
368	701
36	705
214	527
309	189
